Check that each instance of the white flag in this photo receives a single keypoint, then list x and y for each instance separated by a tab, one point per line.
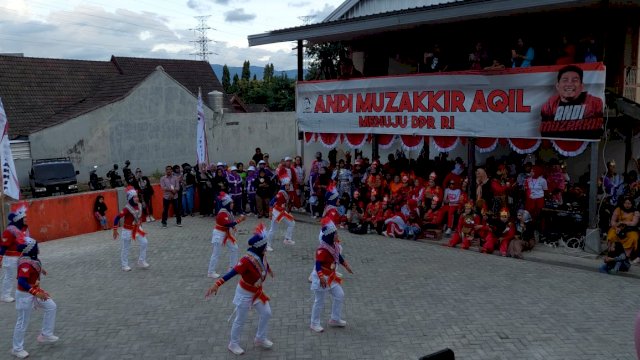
201	137
10	185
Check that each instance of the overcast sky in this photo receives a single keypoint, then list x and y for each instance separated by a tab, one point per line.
97	29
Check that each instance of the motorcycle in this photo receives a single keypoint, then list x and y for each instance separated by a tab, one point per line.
95	182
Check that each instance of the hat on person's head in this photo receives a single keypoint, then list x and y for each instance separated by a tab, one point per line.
259	238
251	168
18	214
288	158
233	168
504	212
469	204
224	198
435	199
265	155
131	192
328	227
219	164
261	162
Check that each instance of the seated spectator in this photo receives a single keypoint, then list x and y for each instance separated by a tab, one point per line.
525	239
355	217
615	260
567	52
413	226
434	217
496	64
521	55
433	61
100	212
624	226
466	229
347	70
479	58
373	215
502	233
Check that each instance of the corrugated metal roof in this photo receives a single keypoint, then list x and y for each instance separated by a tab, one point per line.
352	9
401	19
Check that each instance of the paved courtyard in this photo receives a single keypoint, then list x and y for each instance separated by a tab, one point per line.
405	300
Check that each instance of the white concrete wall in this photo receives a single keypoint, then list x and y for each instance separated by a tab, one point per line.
153	126
235	136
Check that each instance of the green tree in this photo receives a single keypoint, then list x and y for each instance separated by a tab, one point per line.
324	60
267	75
246	70
226	78
233	89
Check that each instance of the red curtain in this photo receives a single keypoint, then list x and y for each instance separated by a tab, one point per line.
310	137
525	146
355	141
445	143
329	140
569	147
412	142
485	145
386	141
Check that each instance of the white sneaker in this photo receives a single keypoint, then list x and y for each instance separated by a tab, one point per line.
215	275
269	248
337	323
143	265
20	354
448	231
264	343
43	339
7	299
236	349
126	268
636	260
316	328
289	242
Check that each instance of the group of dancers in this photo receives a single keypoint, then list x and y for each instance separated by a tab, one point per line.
19	260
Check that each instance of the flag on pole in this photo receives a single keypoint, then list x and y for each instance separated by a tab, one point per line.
201	137
10	185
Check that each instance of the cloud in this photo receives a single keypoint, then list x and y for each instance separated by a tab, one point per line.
198	5
91	33
238	15
299	3
321	14
221	2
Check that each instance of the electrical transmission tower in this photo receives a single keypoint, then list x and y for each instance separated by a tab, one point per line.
202	41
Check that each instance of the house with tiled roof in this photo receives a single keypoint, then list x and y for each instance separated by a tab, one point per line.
105	112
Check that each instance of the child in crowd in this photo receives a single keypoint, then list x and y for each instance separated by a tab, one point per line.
100	212
616	259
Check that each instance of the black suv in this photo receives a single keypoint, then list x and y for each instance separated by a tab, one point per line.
53	177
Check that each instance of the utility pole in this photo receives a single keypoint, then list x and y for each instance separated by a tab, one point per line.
202	41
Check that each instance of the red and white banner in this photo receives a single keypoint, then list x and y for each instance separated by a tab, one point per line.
10	184
554	102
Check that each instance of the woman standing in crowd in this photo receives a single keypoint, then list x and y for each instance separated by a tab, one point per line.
300	178
147	195
624	226
100	212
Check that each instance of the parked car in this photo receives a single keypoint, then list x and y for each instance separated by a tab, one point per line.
55	176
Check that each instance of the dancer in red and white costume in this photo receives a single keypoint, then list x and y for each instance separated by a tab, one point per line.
280	214
325	280
223	234
466	229
30	296
503	232
253	268
131	230
12	237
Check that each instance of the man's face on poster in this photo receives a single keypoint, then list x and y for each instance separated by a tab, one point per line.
569	86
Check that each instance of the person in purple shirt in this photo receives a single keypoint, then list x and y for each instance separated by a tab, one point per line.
250	189
235	190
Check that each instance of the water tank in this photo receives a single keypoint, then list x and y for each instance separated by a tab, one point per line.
215	100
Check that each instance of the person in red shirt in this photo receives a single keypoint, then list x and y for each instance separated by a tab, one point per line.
30	295
12	237
434	218
223	234
373	215
131	230
324	280
432	189
253	269
465	231
502	234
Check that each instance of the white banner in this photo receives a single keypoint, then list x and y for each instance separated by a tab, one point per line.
201	136
548	102
10	185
